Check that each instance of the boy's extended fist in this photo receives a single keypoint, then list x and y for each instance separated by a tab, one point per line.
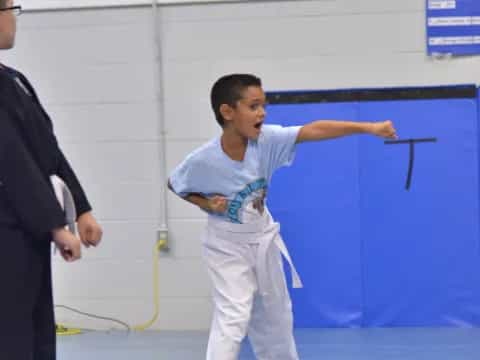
384	129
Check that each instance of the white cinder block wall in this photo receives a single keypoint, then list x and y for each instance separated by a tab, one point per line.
95	71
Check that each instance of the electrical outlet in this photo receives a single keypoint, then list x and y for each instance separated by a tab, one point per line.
162	240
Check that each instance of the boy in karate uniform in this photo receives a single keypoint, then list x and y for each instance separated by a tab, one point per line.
228	178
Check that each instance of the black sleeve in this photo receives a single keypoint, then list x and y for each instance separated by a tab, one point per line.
64	169
29	192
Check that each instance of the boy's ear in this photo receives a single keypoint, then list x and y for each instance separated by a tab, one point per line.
226	111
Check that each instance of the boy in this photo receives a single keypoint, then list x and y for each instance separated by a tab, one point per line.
31	216
228	178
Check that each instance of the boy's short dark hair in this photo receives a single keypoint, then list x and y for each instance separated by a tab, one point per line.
228	90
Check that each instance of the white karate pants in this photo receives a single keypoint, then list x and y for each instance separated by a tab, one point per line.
250	294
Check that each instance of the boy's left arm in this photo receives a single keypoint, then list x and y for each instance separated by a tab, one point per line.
330	129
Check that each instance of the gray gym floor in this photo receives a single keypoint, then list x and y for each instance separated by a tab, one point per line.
313	344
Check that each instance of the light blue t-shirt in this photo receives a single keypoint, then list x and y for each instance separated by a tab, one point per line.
209	171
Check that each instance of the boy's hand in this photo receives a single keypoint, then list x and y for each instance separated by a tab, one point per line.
217	204
67	243
384	129
89	230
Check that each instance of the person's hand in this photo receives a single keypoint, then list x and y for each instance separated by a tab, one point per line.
68	244
89	230
217	204
384	129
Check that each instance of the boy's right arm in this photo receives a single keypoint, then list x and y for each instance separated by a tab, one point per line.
215	204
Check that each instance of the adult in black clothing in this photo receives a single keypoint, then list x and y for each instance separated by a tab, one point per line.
31	217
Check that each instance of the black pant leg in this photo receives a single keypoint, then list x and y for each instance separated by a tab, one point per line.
19	271
43	315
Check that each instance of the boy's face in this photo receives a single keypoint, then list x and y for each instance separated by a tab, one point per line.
247	117
8	27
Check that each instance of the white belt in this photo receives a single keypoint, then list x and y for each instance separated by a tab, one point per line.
65	199
264	233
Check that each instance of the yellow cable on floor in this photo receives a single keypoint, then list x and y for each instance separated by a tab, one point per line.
62	330
162	244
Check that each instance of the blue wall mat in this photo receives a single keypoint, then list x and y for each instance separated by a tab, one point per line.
317	203
371	253
420	247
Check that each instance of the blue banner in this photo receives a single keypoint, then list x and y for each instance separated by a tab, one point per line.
453	27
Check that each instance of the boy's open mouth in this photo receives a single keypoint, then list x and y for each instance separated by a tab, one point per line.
258	125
